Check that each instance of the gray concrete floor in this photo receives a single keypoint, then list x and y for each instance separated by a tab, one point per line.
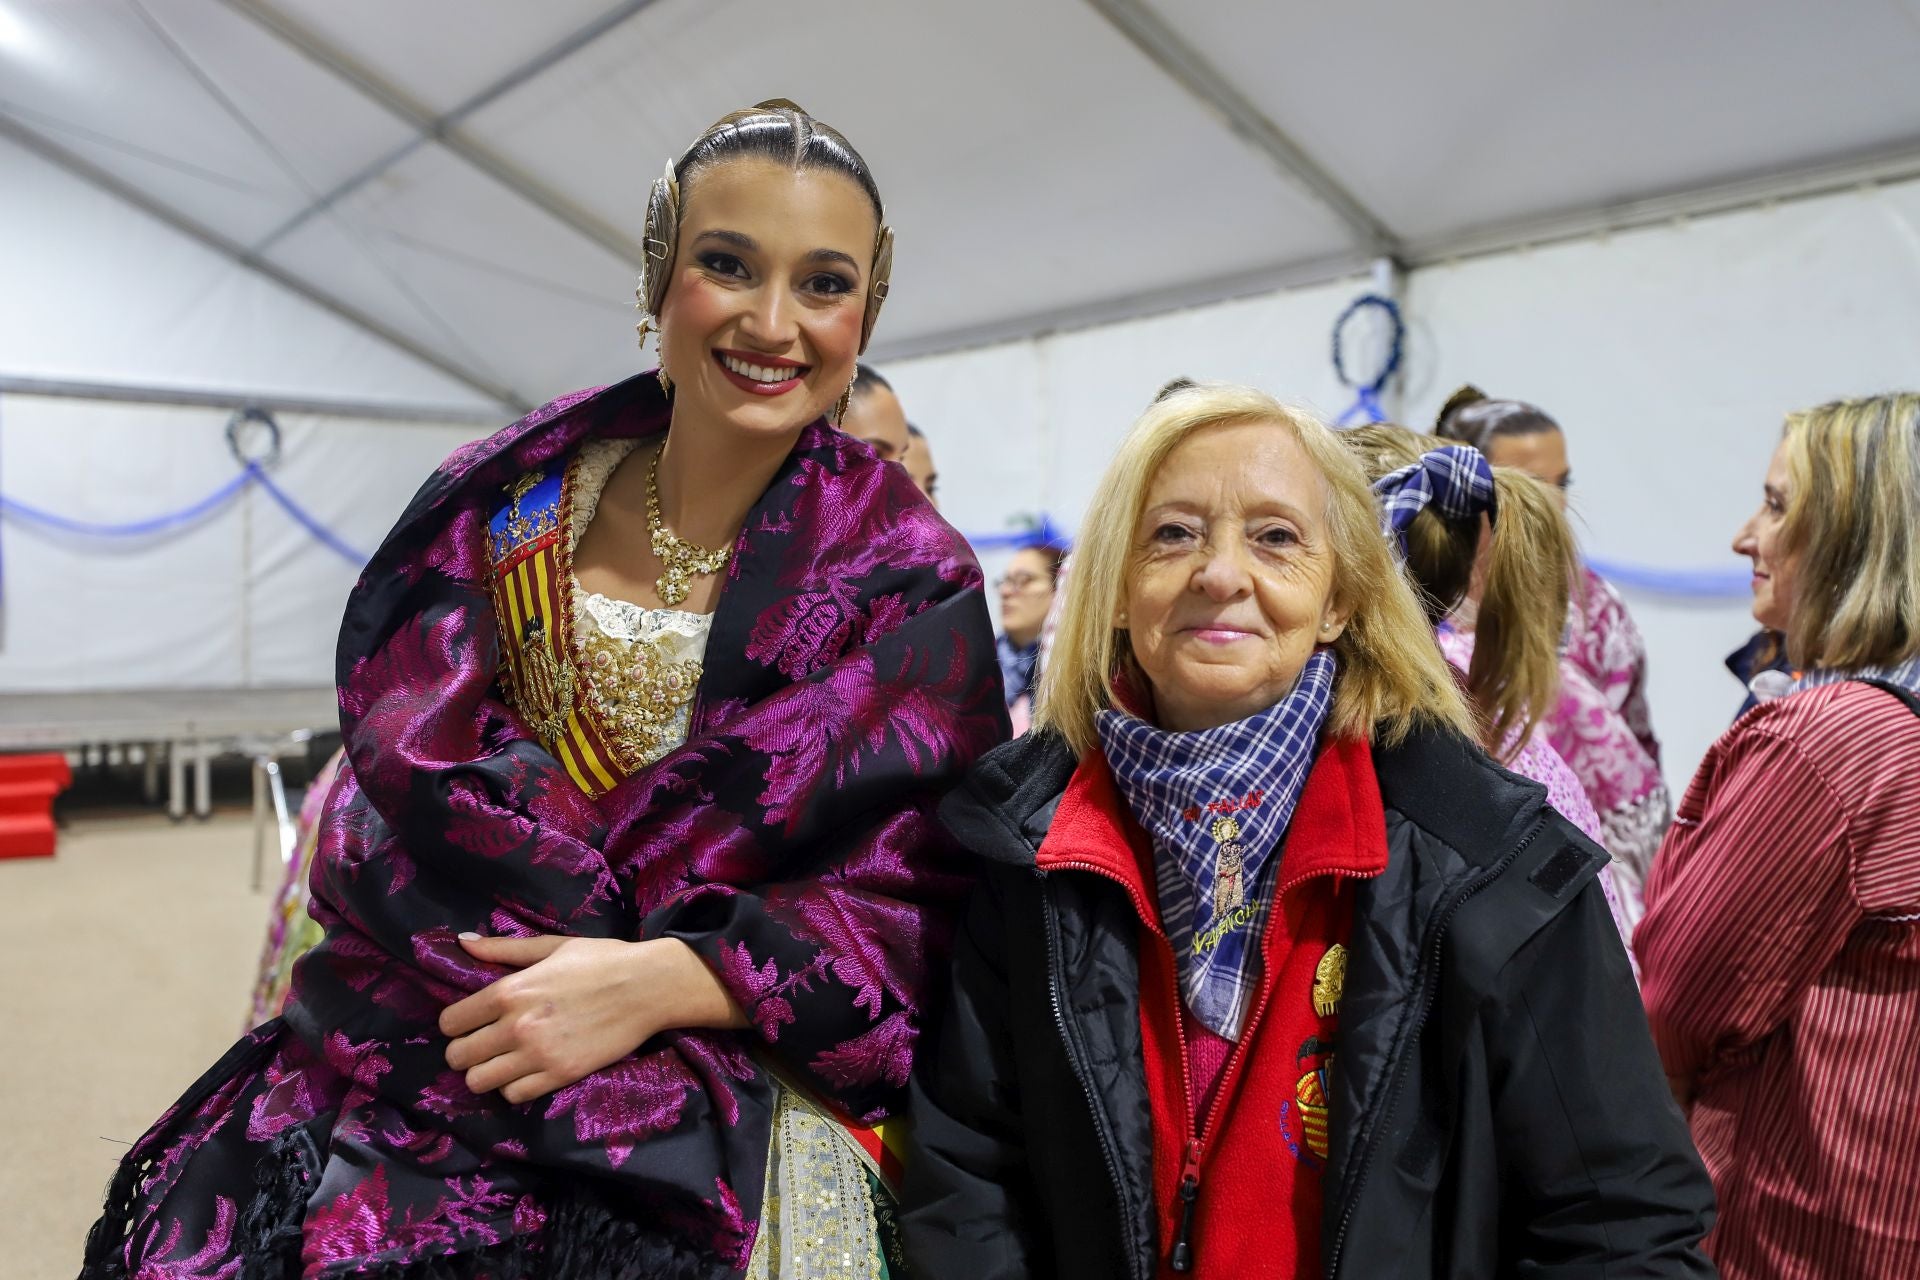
126	965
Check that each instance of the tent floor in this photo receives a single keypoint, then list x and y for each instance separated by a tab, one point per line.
126	965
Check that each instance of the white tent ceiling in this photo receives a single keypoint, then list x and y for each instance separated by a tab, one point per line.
463	178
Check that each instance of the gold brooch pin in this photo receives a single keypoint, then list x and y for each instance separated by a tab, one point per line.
1330	981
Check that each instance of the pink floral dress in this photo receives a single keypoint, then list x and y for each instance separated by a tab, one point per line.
1539	761
1602	729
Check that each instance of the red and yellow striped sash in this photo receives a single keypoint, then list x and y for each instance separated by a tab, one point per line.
531	546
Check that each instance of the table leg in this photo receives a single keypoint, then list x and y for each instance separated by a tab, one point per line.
176	780
203	780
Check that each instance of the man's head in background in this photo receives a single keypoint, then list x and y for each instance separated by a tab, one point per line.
919	464
874	415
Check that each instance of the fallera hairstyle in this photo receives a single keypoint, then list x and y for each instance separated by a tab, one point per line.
1471	417
1532	560
777	130
780	131
1392	677
1853	520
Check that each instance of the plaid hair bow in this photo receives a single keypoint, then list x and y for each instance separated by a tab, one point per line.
1455	478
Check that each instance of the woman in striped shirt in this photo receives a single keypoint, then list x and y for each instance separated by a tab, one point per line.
1780	953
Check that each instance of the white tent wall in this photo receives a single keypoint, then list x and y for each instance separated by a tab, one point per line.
1024	429
98	291
246	598
1669	353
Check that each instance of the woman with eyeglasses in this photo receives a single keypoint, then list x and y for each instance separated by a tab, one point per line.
1026	598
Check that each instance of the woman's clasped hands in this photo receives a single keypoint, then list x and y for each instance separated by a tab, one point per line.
573	1006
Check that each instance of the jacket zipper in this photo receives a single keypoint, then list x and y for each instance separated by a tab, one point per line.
1188	1193
1180	1256
1055	980
1459	900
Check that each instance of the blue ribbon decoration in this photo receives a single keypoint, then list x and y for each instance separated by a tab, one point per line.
164	523
1680	584
251	472
305	519
1366	396
192	513
1044	534
1364	401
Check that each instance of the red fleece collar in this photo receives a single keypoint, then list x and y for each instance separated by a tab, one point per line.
1339	827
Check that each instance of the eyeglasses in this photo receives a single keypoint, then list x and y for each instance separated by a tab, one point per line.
1020	581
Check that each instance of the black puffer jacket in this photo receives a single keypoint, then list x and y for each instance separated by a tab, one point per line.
1498	1108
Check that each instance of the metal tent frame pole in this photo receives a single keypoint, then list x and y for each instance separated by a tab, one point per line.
239	254
1865	172
445	127
204	398
1195	73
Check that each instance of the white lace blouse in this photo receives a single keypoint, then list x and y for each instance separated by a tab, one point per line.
641	665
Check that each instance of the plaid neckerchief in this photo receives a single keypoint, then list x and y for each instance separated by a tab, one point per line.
1210	799
1455	478
1018	667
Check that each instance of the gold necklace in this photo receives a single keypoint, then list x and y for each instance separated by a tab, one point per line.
682	559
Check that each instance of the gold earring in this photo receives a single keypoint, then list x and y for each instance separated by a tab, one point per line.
660	351
846	402
646	317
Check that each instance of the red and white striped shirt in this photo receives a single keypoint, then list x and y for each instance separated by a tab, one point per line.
1780	961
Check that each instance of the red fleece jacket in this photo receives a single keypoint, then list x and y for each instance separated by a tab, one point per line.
1240	1185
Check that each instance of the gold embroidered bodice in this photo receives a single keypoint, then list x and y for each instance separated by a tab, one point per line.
641	666
610	685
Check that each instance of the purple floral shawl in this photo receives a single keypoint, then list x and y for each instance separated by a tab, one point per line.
790	841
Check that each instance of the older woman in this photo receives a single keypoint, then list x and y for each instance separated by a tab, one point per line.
1270	971
1781	945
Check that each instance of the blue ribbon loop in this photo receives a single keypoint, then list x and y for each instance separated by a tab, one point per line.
1366	395
1043	534
192	513
168	522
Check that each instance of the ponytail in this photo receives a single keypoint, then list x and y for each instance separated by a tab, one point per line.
1529	570
1525	579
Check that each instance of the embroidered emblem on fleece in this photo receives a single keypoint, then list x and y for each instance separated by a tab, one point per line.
1303	1117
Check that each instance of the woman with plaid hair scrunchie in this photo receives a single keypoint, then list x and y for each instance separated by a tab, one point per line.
1489	544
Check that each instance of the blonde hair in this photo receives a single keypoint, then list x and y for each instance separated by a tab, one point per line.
1532	558
1391	678
1853	519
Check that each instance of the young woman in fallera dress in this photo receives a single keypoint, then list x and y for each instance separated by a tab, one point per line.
631	889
